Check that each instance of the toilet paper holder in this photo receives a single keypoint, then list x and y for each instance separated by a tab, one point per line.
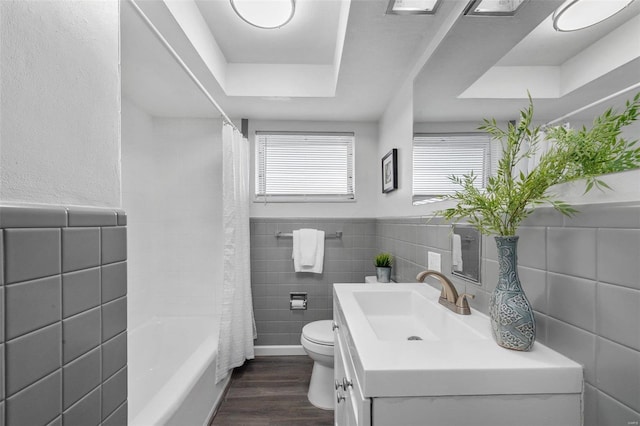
297	301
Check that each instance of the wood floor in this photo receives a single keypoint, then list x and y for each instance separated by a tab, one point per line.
271	391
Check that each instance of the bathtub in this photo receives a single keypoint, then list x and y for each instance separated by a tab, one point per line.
172	364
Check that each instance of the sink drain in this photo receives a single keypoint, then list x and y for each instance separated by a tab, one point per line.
414	338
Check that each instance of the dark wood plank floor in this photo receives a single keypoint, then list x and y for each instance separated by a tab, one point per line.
271	391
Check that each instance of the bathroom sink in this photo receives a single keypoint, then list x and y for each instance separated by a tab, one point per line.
404	343
408	315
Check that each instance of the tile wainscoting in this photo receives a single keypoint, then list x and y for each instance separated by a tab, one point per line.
348	259
63	276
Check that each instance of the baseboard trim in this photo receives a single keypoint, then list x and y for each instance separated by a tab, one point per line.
279	350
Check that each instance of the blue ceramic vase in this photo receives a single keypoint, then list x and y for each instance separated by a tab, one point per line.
512	322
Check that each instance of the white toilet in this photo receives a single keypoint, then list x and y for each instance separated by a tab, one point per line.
317	341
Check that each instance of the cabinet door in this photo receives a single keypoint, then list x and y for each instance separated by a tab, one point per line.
345	409
352	408
340	413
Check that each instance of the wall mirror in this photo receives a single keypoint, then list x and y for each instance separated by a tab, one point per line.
484	66
466	252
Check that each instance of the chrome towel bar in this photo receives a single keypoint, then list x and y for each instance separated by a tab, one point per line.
290	235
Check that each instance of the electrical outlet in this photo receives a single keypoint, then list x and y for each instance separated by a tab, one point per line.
433	261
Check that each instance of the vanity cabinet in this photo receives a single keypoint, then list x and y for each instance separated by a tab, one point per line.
381	380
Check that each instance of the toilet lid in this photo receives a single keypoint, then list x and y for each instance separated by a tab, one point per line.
320	332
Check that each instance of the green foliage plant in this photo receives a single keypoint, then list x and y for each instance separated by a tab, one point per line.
383	260
512	195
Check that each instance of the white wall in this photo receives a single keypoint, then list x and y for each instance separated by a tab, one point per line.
396	131
60	103
367	171
172	193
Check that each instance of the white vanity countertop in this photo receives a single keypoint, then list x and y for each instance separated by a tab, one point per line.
465	361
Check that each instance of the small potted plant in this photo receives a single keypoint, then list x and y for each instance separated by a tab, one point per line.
383	262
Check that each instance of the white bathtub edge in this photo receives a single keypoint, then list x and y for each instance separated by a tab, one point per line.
168	399
216	405
279	350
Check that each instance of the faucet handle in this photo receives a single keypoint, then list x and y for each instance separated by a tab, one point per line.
462	306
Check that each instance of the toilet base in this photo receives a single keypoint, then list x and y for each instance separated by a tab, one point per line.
321	387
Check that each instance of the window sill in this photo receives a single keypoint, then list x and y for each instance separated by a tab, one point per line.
302	200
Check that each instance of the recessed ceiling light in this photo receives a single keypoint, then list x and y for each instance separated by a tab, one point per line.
265	14
412	7
575	15
493	7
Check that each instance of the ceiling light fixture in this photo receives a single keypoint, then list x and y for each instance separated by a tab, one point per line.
265	14
493	7
575	15
412	7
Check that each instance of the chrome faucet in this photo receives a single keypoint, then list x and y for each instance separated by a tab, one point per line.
449	296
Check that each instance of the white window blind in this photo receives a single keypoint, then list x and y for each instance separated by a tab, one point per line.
304	166
437	157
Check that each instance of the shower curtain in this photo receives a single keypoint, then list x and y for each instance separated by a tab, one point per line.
237	325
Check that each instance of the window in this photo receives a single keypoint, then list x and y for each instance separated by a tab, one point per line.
437	157
292	166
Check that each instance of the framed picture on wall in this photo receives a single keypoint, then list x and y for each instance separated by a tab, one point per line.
390	171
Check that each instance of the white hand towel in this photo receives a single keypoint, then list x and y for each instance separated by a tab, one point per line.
457	253
308	246
319	259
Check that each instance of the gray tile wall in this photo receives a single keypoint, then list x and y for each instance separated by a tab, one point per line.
63	342
581	274
409	240
348	259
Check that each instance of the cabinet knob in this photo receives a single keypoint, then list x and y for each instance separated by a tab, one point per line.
346	383
334	326
340	398
338	384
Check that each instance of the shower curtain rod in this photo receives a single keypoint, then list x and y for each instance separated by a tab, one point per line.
593	104
184	66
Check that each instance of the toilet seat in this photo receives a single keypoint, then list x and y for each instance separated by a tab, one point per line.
319	332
